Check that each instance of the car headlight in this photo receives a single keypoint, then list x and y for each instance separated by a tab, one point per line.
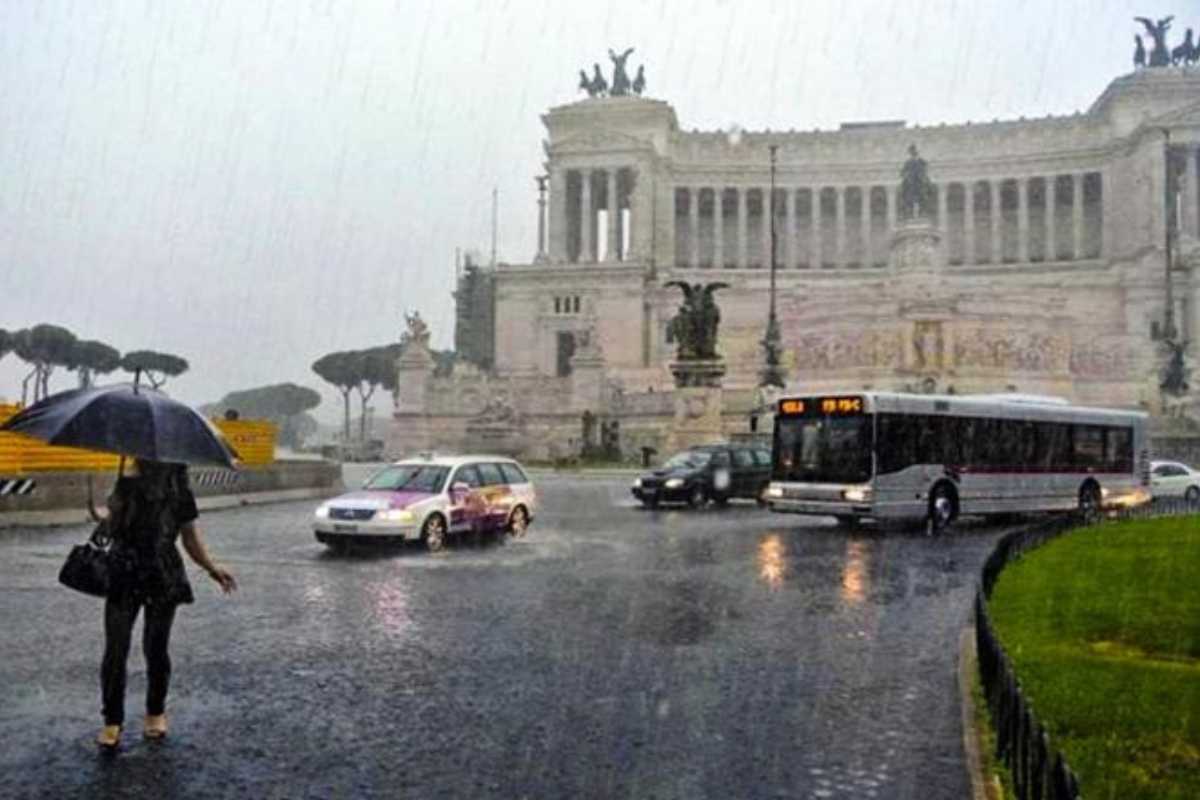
857	494
323	511
637	483
395	515
674	483
774	491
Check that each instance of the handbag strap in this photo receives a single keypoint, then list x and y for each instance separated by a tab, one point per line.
101	537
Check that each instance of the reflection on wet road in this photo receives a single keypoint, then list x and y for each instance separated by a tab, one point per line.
613	652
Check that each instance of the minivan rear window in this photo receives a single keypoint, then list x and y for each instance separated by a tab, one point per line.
490	473
513	473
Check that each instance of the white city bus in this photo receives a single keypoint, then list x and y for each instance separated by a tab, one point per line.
935	457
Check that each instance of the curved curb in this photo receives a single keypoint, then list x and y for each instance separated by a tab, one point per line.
981	787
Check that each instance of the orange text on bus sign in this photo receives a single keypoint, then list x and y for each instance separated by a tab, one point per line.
841	405
791	407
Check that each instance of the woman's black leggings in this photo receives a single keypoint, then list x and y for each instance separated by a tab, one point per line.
119	616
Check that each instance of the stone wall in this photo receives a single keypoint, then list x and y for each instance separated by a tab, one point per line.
67	490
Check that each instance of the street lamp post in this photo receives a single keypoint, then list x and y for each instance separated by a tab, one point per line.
1172	196
772	374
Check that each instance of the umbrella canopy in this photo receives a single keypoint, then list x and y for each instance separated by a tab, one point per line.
124	419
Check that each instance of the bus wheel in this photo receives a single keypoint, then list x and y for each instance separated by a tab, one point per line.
1089	504
941	510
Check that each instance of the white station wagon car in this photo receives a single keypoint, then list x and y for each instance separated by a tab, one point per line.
431	499
1173	479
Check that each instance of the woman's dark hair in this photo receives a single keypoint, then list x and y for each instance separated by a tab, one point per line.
158	479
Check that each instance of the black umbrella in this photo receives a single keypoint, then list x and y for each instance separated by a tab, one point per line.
126	419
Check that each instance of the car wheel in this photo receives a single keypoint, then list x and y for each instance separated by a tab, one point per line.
518	522
1089	504
942	509
847	521
696	496
1192	496
433	533
721	500
650	502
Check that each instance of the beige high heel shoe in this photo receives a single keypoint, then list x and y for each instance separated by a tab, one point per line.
155	726
109	737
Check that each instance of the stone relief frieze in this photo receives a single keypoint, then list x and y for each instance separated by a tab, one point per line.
1091	358
833	351
1011	350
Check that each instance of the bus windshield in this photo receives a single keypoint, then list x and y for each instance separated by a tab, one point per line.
823	449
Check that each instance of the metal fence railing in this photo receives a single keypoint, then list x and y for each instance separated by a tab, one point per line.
1038	771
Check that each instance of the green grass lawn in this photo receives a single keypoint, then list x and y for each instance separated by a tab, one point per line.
1103	626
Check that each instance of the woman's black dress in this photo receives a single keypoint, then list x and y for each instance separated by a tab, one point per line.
145	561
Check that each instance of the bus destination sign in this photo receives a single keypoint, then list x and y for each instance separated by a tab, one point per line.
821	406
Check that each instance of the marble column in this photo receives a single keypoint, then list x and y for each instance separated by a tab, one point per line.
1023	220
864	223
994	218
1191	195
718	227
694	227
839	227
1052	218
742	215
558	215
587	219
640	201
969	256
1077	216
943	191
614	219
789	229
814	244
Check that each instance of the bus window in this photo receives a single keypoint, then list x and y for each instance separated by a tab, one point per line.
1053	446
1088	447
823	449
1026	445
1119	450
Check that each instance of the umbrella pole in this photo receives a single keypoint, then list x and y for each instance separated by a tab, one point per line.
91	499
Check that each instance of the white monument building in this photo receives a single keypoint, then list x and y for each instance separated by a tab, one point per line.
1042	267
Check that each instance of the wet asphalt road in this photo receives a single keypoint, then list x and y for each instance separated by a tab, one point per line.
613	652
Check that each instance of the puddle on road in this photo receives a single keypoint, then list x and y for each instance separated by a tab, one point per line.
681	613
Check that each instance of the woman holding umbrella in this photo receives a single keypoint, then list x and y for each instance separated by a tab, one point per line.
147	512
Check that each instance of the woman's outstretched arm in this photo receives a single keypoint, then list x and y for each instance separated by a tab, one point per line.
193	543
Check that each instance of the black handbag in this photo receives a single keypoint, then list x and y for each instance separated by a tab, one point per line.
88	568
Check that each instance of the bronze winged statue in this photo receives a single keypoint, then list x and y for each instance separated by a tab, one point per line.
620	81
1160	56
694	328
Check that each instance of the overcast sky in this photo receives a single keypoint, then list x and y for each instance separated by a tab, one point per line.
253	184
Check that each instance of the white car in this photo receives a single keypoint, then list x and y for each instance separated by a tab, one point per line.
430	499
1172	479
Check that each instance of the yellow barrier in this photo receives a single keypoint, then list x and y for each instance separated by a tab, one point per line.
254	441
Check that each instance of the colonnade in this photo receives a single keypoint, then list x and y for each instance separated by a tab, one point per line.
1189	191
987	221
597	215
